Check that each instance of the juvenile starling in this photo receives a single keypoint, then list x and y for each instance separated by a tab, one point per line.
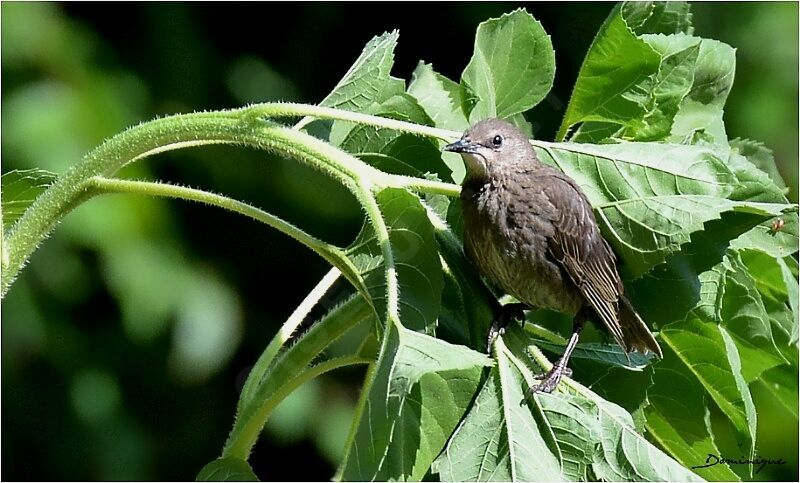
529	228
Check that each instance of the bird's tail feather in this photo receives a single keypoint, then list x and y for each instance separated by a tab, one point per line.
636	333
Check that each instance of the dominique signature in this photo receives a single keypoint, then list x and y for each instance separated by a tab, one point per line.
760	462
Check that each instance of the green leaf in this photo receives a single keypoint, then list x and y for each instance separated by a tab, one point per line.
20	188
368	79
578	435
394	151
658	17
417	394
511	69
677	95
227	469
701	110
709	353
649	198
439	96
677	417
761	156
764	237
501	438
609	85
729	297
666	90
441	99
607	354
756	185
778	287
781	382
416	262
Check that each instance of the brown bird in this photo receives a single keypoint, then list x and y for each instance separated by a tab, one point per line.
530	229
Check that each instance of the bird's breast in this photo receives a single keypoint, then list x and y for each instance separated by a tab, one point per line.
509	245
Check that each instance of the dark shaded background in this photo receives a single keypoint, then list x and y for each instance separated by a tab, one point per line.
125	339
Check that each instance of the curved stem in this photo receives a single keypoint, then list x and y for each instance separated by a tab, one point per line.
544	333
245	126
331	253
252	414
247	435
283	335
288	109
375	217
48	209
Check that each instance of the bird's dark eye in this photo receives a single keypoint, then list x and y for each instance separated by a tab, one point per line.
497	141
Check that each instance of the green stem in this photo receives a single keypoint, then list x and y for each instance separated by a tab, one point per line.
48	209
544	333
246	436
288	109
423	185
370	205
286	331
244	126
253	413
333	254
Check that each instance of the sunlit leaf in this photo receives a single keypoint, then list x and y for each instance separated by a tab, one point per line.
416	263
572	434
418	391
511	69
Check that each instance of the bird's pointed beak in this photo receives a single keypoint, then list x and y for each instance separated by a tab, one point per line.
461	146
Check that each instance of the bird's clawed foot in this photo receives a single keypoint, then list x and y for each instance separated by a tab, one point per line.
551	378
508	313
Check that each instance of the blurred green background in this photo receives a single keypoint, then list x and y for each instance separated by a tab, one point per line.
127	338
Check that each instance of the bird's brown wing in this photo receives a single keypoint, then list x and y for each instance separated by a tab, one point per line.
576	243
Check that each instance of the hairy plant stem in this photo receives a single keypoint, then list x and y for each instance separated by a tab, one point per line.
241	446
251	127
331	253
268	389
245	127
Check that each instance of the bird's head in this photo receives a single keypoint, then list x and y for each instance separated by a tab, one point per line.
490	146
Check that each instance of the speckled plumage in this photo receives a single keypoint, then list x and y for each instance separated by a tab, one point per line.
530	230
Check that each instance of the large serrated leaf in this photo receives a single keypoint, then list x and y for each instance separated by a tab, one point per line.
578	435
729	297
501	439
609	85
417	394
439	96
667	88
778	287
756	185
676	417
709	354
511	69
393	151
701	110
366	80
416	262
441	99
649	198
658	17
761	156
